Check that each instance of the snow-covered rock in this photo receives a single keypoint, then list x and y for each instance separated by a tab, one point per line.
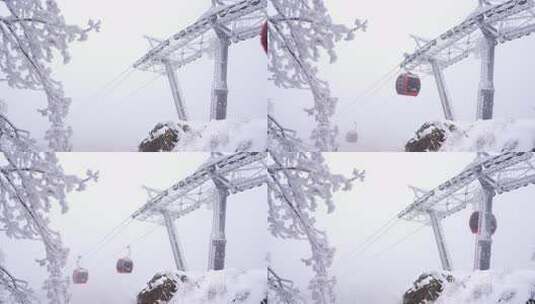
482	135
491	288
430	137
214	287
481	287
427	288
216	136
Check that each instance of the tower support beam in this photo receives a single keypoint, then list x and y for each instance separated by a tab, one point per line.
482	256
175	91
218	107
445	99
216	259
444	255
485	101
175	245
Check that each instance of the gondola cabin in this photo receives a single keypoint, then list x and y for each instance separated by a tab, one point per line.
408	84
80	276
474	223
125	265
352	136
264	37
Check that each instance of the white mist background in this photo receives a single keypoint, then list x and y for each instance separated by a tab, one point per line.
117	120
382	273
385	120
95	212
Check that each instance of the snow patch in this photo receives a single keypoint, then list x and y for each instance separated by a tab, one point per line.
491	136
490	287
224	136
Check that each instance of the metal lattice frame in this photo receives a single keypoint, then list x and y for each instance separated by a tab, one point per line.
244	20
477	184
211	184
512	20
494	22
225	23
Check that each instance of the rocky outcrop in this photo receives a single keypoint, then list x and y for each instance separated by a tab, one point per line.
164	137
427	288
161	288
495	136
480	287
213	287
430	137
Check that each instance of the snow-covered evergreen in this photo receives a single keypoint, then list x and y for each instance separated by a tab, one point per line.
32	33
299	32
299	183
31	184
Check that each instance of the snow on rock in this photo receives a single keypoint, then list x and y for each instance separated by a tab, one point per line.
216	135
487	135
430	137
214	287
491	287
427	288
482	287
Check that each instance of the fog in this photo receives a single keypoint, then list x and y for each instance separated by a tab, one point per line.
382	272
117	194
385	120
117	119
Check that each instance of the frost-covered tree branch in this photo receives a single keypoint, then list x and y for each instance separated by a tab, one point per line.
30	34
31	183
298	33
298	183
282	290
13	290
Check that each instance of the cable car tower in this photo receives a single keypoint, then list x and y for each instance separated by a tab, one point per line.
210	185
227	22
476	185
493	23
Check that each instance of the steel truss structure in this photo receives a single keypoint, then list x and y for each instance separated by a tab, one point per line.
210	185
491	24
225	23
476	185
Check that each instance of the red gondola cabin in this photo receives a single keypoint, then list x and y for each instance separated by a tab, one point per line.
80	276
264	37
474	223
408	84
125	265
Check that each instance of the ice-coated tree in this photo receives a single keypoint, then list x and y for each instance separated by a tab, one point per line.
31	184
299	183
282	290
32	32
299	32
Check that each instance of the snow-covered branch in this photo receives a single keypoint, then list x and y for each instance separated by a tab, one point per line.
30	35
299	183
298	33
282	290
31	183
13	289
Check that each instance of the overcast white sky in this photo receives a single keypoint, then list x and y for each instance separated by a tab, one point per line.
386	121
381	274
95	212
118	120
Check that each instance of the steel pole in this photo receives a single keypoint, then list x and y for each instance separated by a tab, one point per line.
173	240
216	259
445	99
444	255
485	102
218	107
482	257
175	91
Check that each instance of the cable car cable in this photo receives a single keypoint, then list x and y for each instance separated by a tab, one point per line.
400	241
372	238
